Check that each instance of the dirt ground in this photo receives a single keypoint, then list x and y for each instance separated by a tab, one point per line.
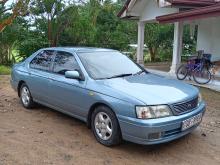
43	136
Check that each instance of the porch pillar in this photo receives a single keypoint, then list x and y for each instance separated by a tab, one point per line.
177	47
140	46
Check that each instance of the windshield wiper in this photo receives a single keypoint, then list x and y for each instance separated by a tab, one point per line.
138	73
120	75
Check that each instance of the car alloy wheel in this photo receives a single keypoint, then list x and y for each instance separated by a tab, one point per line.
25	96
103	126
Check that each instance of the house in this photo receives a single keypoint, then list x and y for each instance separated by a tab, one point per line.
204	13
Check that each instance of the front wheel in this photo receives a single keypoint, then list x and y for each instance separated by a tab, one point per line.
105	126
202	76
182	72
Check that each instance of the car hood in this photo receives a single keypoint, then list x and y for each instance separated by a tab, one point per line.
152	89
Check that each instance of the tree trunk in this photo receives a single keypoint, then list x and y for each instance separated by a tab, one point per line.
49	29
55	40
16	11
1	55
58	32
7	22
8	55
153	52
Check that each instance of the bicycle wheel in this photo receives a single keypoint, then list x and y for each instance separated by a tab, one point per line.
202	76
182	72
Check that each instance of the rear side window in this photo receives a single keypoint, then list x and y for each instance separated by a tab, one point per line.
63	62
43	60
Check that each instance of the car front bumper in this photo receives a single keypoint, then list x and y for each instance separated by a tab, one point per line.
155	131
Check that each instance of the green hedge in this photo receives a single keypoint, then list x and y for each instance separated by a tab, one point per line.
5	70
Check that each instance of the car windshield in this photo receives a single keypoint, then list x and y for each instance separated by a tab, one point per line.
104	65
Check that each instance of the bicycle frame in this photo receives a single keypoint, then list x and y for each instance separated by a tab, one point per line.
194	67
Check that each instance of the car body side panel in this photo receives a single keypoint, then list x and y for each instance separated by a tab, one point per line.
117	106
19	73
38	83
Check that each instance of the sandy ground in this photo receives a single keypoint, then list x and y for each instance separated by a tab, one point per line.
43	136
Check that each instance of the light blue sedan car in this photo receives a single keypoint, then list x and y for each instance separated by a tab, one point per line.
117	98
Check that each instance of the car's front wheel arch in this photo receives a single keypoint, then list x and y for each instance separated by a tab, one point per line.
110	125
91	110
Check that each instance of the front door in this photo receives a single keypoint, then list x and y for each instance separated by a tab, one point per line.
67	94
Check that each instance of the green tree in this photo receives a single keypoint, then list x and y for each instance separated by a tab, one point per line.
46	13
8	41
19	8
158	37
111	31
80	31
31	42
189	42
100	29
79	23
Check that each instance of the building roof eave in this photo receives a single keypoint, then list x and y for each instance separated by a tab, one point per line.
174	3
124	8
199	13
192	3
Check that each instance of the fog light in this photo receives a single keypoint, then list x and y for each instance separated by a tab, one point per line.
154	136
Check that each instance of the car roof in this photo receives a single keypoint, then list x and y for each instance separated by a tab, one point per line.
80	49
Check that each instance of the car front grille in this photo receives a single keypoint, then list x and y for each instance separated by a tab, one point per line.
184	107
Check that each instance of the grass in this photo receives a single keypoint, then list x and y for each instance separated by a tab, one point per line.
5	70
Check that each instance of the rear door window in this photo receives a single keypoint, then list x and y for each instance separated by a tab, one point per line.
43	60
63	62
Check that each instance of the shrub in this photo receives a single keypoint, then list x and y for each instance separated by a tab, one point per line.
5	70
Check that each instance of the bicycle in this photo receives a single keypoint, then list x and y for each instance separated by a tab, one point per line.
198	68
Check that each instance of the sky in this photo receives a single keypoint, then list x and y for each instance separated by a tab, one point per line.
10	1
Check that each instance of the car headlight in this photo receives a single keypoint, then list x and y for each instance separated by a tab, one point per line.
152	112
199	99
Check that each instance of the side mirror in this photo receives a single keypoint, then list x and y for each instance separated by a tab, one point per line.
72	75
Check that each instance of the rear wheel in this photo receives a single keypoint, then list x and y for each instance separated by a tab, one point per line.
202	77
182	72
25	96
105	126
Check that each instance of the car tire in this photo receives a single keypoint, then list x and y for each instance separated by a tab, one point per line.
105	126
25	97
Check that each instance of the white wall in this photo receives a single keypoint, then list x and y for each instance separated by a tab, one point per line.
136	7
209	37
152	10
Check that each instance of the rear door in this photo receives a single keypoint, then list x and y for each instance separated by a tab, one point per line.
67	94
39	73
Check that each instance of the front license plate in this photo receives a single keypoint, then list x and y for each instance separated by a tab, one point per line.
186	124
